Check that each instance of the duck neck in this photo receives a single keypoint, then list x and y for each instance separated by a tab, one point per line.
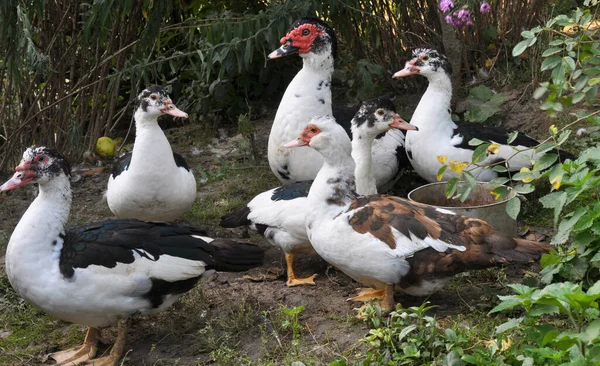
320	63
334	188
434	107
363	158
44	220
151	148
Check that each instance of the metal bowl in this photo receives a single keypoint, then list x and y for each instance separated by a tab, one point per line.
480	204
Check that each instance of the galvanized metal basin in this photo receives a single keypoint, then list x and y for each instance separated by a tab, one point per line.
479	205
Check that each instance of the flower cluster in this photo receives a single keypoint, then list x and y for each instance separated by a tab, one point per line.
462	16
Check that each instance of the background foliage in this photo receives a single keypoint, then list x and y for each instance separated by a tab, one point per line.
69	70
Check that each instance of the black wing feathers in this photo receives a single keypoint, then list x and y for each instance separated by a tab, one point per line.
343	116
180	161
107	243
292	191
121	165
236	218
469	131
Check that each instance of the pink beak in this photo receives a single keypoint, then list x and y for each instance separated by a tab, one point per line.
409	69
171	109
296	143
21	177
401	124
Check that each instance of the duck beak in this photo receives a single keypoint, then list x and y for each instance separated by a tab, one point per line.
299	142
171	109
409	69
401	124
22	176
287	48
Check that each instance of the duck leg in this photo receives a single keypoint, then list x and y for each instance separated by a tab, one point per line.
292	280
385	296
76	355
366	294
118	348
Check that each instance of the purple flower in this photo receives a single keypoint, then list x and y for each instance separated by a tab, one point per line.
449	19
458	23
469	23
446	5
464	14
485	7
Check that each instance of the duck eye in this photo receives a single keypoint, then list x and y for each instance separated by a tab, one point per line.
424	57
40	158
313	130
153	97
380	112
305	32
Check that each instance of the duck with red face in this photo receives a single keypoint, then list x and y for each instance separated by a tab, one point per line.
309	95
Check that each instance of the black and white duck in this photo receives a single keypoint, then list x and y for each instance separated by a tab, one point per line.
102	273
151	183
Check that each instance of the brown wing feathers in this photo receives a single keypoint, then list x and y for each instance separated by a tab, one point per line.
485	247
377	214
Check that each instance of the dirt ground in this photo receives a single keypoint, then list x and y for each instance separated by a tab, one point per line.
232	320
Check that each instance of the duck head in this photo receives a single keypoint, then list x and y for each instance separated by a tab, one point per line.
426	62
376	116
307	35
39	164
155	101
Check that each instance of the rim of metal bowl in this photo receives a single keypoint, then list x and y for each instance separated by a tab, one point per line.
511	195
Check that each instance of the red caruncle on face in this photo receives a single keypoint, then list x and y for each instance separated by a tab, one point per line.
302	37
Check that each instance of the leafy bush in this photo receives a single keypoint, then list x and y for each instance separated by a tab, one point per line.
482	104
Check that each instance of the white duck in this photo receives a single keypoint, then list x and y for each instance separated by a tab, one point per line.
279	214
309	95
102	273
151	183
440	136
383	241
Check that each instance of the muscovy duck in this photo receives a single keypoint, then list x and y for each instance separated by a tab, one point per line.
382	240
440	136
104	272
279	214
151	183
308	95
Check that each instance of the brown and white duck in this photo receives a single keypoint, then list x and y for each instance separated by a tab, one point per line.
279	214
385	241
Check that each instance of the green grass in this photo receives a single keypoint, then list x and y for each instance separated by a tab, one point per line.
31	330
229	187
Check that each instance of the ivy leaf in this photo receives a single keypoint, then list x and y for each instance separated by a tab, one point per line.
520	48
500	169
475	142
440	173
545	161
513	207
451	187
551	51
470	179
512	136
479	153
524	188
550	62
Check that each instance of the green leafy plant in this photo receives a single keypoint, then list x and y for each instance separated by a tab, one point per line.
560	324
483	103
291	322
